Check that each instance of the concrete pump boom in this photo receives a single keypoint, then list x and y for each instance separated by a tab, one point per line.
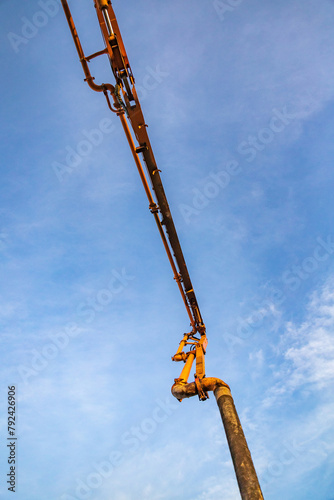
126	105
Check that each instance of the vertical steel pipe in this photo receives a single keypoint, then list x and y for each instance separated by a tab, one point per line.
248	482
243	464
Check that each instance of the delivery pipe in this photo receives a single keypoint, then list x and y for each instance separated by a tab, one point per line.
243	464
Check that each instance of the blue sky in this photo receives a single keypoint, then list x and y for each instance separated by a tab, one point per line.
238	96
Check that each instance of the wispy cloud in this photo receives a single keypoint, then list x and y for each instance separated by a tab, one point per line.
309	348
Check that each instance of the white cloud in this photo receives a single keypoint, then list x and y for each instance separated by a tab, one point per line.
302	379
307	350
311	355
257	358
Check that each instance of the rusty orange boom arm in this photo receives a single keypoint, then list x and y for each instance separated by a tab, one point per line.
130	104
127	106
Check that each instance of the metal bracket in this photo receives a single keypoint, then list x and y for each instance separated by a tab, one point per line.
153	208
141	149
202	394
